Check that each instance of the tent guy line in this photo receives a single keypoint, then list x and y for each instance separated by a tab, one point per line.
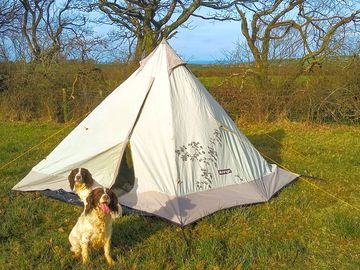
303	176
45	140
307	181
316	186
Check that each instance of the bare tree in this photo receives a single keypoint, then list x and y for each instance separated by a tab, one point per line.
9	12
44	25
9	22
147	22
85	44
309	29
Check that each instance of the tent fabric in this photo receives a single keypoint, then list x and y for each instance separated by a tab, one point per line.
189	158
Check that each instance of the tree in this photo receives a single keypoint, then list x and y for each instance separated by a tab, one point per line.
85	45
150	21
9	12
9	22
45	26
311	30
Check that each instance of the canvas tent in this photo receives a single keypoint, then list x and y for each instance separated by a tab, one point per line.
187	155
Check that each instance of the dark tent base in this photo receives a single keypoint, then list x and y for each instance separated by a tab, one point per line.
62	195
72	198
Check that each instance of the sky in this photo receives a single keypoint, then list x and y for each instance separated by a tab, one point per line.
206	41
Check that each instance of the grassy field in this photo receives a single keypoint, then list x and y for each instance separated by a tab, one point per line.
301	228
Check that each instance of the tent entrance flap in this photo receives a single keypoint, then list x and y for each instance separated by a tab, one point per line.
118	169
125	178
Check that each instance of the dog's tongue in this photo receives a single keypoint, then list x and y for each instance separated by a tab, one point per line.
105	208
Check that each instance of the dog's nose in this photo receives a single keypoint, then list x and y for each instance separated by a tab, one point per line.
106	197
77	177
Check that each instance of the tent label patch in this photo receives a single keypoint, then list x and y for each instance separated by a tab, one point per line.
224	171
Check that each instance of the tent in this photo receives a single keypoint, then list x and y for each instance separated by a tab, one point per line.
186	155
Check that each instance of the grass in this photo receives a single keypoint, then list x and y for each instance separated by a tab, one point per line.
300	228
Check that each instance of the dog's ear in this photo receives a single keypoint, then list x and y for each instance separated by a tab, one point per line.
89	203
113	201
87	178
71	179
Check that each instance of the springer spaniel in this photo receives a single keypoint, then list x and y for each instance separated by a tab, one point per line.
81	181
94	225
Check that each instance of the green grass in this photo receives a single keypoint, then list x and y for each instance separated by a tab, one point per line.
300	228
214	81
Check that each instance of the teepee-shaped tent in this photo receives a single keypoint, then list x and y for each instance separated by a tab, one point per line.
189	159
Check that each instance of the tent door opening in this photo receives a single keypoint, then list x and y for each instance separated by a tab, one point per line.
125	179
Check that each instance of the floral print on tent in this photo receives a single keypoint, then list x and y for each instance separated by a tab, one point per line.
205	156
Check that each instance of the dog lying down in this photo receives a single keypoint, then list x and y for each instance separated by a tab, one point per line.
94	226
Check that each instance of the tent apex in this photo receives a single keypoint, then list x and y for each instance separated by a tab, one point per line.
164	48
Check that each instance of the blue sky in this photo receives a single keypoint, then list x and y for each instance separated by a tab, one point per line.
206	41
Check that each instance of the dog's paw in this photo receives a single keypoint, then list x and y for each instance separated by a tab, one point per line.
75	252
110	261
76	255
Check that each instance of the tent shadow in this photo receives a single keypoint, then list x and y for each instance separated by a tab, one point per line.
270	146
267	146
180	206
133	231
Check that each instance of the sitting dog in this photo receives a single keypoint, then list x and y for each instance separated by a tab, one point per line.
94	225
81	181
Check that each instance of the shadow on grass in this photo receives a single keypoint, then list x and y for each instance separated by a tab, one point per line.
133	230
267	146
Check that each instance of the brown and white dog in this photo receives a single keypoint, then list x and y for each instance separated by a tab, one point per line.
81	181
94	226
